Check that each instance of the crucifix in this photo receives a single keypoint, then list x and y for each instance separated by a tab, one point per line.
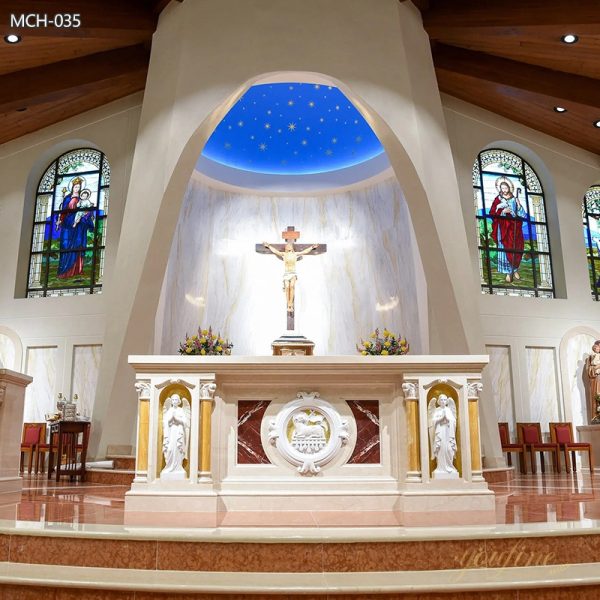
290	253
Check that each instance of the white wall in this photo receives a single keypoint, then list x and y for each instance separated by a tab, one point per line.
50	329
532	328
371	275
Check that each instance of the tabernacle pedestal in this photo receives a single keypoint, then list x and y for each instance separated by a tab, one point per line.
310	433
292	345
12	399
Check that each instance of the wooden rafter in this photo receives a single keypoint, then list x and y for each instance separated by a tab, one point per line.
445	16
514	74
79	76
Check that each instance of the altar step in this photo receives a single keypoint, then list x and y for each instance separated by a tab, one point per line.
84	583
121	473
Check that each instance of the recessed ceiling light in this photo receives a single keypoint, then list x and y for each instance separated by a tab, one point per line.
569	38
560	109
12	38
597	124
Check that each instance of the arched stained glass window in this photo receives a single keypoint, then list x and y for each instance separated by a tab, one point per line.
512	231
69	226
591	233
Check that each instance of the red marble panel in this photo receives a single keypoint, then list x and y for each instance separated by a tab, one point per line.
250	450
83	552
366	415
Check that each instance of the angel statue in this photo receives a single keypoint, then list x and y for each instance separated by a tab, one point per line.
176	436
442	436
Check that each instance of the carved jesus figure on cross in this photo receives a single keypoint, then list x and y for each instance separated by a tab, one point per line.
290	253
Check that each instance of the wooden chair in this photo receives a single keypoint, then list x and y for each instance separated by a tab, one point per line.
43	448
562	434
530	434
508	447
29	443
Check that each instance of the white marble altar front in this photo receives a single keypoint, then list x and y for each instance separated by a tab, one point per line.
328	433
371	275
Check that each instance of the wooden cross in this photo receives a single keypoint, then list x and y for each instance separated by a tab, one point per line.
290	253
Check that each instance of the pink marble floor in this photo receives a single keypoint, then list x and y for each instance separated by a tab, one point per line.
537	498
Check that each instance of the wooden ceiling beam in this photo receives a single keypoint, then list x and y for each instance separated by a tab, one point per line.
39	85
513	74
511	16
130	19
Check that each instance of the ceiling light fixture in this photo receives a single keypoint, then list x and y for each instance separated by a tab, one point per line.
560	109
12	38
569	38
597	124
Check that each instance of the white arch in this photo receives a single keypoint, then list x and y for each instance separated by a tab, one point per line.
13	336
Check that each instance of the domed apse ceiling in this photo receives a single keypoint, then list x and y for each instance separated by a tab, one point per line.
293	130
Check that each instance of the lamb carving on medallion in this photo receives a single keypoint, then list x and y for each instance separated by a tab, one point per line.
308	432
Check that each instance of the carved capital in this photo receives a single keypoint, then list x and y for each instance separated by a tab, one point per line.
143	390
207	391
2	391
410	390
474	389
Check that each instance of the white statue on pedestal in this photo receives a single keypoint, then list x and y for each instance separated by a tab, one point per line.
442	435
176	436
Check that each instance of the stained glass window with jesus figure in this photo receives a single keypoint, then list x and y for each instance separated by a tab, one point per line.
69	226
512	231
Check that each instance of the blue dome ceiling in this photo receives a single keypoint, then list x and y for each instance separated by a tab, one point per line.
292	129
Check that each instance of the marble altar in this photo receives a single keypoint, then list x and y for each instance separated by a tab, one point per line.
334	433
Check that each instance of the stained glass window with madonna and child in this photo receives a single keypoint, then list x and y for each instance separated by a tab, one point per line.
591	234
69	226
512	230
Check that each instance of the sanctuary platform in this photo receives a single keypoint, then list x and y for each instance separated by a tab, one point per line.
393	437
66	541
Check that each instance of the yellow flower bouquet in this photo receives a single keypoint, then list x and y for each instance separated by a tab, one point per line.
383	344
205	343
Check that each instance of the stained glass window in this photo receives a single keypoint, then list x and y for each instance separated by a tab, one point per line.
512	230
69	226
591	233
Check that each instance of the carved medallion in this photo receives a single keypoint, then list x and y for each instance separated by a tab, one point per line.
308	432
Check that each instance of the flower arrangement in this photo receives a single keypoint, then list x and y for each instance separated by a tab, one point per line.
205	343
388	345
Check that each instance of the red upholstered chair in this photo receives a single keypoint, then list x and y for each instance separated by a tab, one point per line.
507	447
530	434
29	442
562	434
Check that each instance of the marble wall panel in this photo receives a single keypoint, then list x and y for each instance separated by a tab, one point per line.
368	448
250	450
7	353
368	278
500	374
544	394
86	364
579	347
40	397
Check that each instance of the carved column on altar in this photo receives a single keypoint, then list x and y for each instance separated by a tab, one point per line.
207	393
473	390
142	387
411	403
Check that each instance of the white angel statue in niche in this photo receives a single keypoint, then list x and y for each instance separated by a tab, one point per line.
176	436
442	436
